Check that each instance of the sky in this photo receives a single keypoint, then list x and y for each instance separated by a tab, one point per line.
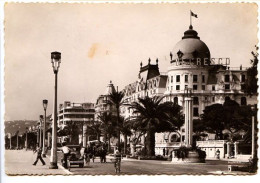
103	42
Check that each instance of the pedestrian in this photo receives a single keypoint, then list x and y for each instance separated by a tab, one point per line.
39	155
163	151
104	155
218	154
100	152
66	152
93	153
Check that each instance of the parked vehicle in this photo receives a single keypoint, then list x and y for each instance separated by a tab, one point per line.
74	158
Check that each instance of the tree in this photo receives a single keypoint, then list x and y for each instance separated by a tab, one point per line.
116	98
107	126
175	119
125	128
251	82
72	130
198	129
213	119
94	129
150	112
229	116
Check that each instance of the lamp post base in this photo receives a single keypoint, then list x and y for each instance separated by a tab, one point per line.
53	165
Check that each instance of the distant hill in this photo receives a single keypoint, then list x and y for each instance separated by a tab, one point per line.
14	126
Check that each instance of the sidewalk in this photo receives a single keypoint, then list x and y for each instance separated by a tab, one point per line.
19	162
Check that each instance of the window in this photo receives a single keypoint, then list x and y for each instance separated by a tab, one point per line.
213	99
186	86
243	78
227	87
186	78
243	101
203	78
171	79
171	88
195	78
177	87
196	101
195	87
175	100
213	88
178	78
227	78
195	111
203	87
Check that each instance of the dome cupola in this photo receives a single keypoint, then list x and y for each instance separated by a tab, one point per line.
190	48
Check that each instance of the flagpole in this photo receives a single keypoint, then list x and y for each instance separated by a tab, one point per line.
190	18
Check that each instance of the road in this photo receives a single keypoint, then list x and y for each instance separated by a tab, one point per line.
152	167
20	162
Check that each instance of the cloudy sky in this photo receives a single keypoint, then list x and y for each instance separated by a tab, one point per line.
103	42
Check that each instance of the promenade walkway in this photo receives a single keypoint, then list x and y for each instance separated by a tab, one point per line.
19	162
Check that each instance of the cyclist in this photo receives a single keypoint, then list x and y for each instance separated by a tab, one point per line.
118	161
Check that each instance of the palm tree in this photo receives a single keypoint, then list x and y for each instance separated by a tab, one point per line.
116	98
94	129
151	113
107	126
125	128
175	119
71	130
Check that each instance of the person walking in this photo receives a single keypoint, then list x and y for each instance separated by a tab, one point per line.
104	155
66	152
163	151
39	155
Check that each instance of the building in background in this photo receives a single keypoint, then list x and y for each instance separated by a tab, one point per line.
103	103
74	115
191	66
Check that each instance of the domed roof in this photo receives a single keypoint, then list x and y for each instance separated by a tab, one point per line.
190	47
110	88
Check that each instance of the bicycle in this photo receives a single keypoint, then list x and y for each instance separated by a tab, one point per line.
117	164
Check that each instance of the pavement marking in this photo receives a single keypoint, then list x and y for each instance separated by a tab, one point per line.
61	167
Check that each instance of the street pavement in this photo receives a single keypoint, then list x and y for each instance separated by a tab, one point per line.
20	162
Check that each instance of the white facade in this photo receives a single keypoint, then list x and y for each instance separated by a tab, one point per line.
191	66
77	112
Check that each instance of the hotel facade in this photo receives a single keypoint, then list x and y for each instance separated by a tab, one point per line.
191	66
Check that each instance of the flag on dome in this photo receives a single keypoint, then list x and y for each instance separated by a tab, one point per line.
193	14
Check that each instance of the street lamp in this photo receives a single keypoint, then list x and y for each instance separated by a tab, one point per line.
253	131
40	127
44	103
55	60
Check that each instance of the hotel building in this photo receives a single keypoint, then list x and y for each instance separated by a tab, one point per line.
191	66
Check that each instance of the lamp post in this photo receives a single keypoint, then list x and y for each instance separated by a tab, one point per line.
44	103
40	130
55	60
188	103
253	132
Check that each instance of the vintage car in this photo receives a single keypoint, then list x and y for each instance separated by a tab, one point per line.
74	158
